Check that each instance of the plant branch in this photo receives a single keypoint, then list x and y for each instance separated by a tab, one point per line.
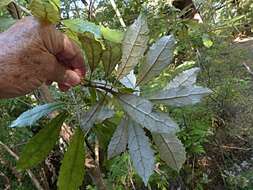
29	172
248	68
118	13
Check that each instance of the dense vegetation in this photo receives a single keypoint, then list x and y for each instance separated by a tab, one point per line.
166	103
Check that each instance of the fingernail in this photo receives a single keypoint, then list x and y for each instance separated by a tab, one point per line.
72	79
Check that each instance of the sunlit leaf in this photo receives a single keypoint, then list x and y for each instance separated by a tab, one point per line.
111	57
140	110
81	26
171	150
133	46
41	144
115	36
158	58
4	2
207	41
140	151
118	141
93	51
46	10
29	117
71	173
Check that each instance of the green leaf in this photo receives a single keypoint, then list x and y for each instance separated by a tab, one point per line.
6	23
111	57
41	144
207	41
4	2
140	110
93	51
118	141
82	27
115	36
171	150
72	169
158	58
140	151
46	10
96	114
29	117
133	46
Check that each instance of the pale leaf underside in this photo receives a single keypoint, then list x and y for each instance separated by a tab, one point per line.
140	110
158	58
141	153
118	141
133	46
171	150
180	96
96	114
186	78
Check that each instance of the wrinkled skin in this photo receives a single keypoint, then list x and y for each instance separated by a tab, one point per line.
33	52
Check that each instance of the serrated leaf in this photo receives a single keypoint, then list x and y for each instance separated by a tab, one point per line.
46	10
186	78
4	2
133	46
41	144
29	117
180	96
158	58
118	141
111	57
71	173
6	23
140	110
82	26
93	51
115	36
96	114
171	150
90	37
140	151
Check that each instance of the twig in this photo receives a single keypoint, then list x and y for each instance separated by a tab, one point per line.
248	68
235	148
13	169
29	172
25	10
95	173
118	13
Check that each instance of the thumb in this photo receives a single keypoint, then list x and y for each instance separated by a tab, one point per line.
64	76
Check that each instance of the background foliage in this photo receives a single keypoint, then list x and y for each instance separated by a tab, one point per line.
216	133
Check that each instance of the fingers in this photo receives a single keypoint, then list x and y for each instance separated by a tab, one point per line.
65	50
58	72
71	56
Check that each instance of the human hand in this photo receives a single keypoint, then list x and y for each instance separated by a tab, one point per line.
34	52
